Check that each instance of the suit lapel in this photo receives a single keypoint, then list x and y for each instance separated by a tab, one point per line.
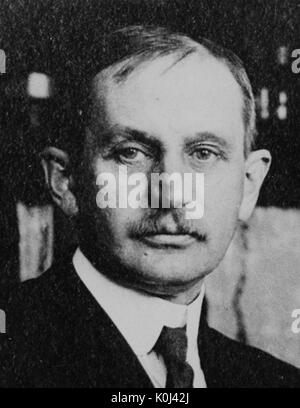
110	360
208	356
224	361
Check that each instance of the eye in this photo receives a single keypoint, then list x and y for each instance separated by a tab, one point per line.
205	154
130	155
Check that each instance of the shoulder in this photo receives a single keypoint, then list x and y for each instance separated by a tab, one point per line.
34	304
47	325
247	366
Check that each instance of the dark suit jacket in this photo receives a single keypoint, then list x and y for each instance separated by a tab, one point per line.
61	337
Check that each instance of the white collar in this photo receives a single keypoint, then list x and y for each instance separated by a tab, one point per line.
139	317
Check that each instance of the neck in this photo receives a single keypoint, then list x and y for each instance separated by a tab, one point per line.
185	297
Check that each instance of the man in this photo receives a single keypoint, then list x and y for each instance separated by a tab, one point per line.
124	309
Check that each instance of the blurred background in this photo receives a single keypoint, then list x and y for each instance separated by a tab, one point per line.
255	290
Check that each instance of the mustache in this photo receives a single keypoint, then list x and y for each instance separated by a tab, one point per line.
153	226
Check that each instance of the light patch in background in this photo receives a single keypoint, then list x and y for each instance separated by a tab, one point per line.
2	62
36	239
264	103
282	108
2	322
282	55
267	256
38	85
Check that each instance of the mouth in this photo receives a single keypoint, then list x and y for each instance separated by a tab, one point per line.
165	241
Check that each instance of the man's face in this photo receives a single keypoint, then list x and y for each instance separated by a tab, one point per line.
174	118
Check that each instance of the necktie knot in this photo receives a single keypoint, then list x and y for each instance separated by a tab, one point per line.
172	346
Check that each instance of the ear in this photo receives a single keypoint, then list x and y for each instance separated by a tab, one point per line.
256	168
55	163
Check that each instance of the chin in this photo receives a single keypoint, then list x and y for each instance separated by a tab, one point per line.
172	272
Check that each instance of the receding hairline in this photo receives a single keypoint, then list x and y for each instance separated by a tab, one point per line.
114	74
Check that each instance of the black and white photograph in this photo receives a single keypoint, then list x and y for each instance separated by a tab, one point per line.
150	196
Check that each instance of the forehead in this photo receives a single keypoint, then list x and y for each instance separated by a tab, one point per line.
166	98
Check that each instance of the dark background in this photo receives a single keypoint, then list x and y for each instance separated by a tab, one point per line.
52	37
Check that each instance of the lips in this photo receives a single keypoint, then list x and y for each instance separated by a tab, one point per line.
178	241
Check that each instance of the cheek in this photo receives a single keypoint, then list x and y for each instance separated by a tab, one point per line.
223	196
116	222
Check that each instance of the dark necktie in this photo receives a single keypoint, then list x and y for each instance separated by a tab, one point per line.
172	346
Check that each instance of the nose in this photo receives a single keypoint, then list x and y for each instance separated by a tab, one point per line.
167	183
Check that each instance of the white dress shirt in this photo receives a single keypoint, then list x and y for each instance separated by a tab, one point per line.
140	319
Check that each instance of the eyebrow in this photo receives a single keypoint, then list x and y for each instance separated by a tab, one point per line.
134	135
152	141
209	137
